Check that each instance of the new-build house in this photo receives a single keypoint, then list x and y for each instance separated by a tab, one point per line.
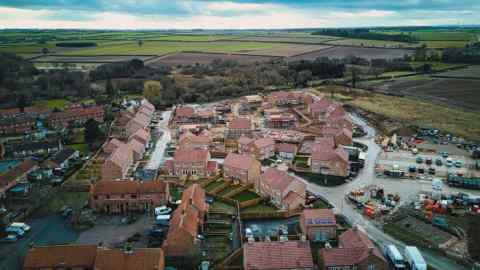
242	168
283	190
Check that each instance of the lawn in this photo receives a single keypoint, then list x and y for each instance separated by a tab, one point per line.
80	147
259	208
213	185
223	207
52	103
435	65
159	48
371	43
75	200
245	196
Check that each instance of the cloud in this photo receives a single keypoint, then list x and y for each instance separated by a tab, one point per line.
215	14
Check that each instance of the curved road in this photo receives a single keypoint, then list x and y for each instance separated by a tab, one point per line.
406	188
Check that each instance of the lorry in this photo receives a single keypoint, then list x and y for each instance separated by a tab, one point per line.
414	258
395	257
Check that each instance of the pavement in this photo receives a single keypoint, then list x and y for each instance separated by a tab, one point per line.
407	189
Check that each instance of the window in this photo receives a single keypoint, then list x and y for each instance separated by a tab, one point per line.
371	267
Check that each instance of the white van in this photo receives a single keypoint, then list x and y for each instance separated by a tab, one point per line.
395	257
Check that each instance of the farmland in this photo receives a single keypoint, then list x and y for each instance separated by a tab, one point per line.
472	72
205	58
342	52
460	92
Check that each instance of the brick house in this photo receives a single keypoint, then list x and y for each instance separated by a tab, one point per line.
77	115
239	127
187	223
89	257
116	166
137	148
286	151
26	149
288	255
284	191
318	224
355	251
242	168
142	136
121	197
17	125
330	161
344	137
16	175
191	162
190	140
261	149
281	121
184	115
140	121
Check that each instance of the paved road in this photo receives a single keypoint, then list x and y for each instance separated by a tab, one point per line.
406	189
158	155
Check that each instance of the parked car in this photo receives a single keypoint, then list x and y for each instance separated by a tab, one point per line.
412	169
449	162
11	238
163	210
21	225
419	160
445	154
248	233
15	230
431	171
162	220
458	164
438	162
421	170
428	161
157	232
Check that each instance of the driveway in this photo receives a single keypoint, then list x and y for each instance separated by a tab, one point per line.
405	188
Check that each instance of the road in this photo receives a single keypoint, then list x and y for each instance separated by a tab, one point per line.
158	155
406	189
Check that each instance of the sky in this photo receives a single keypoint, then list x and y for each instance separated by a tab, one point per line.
234	14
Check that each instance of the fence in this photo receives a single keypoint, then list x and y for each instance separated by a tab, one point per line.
271	215
221	187
252	202
238	191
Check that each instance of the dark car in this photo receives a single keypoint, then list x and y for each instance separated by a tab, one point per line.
428	161
431	171
438	162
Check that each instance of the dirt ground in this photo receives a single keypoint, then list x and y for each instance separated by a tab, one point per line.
205	58
342	52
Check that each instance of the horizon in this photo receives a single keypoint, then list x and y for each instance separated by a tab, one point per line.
234	14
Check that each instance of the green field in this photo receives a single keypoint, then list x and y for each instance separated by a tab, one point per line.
159	48
52	103
371	43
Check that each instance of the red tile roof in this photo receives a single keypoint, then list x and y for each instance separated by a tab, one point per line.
212	166
327	154
191	155
18	171
354	238
112	145
343	256
321	105
128	187
319	217
121	156
136	146
276	179
264	142
243	162
323	143
76	112
245	140
138	259
184	111
141	134
68	256
286	148
277	255
240	123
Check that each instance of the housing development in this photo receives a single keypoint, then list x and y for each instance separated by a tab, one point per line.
327	145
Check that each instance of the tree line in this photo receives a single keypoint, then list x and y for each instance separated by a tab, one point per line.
364	33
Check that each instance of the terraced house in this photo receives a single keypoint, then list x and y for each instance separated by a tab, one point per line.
261	149
186	224
118	163
77	115
239	127
191	162
122	197
89	257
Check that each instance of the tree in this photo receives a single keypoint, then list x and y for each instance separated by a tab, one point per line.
22	102
92	132
152	89
140	43
110	90
45	50
303	77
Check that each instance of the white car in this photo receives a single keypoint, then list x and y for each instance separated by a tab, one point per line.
15	230
21	225
163	210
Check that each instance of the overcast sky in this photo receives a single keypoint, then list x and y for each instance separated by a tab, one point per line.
213	14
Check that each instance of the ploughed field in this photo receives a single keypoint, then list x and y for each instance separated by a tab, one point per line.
205	58
342	52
